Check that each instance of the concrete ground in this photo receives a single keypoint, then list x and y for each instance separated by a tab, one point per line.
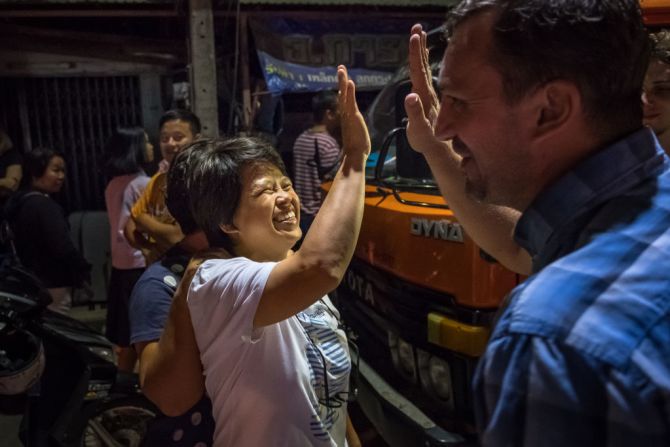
9	425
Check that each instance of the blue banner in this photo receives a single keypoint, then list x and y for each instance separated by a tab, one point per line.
285	77
302	55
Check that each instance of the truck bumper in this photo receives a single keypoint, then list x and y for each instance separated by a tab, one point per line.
399	422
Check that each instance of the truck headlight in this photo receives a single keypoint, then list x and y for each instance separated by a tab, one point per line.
440	378
435	375
402	355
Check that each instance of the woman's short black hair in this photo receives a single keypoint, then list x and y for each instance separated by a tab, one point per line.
211	171
35	163
125	151
176	195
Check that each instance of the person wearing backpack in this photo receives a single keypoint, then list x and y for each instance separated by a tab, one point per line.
316	153
41	229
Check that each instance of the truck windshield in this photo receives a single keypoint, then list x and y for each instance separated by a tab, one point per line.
392	161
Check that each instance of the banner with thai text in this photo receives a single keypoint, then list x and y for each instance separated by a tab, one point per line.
302	55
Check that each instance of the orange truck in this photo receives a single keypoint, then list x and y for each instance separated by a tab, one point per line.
656	12
419	296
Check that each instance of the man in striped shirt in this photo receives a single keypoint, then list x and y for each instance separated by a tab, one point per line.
541	104
315	155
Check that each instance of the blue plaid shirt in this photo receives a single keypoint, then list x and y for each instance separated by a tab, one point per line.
581	354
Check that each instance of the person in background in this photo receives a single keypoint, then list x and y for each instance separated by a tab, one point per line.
126	151
42	231
580	354
169	363
315	155
10	168
656	89
151	227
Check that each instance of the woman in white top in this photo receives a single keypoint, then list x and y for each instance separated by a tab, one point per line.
276	363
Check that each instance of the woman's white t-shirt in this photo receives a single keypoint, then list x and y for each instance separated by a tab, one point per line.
267	385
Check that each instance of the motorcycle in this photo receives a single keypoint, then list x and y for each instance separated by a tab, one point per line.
59	373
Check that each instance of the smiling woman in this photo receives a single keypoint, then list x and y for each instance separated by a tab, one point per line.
267	213
245	201
276	361
42	233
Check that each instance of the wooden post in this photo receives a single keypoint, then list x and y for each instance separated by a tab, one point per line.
152	107
203	66
23	117
244	69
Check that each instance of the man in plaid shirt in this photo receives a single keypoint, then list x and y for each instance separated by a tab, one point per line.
538	135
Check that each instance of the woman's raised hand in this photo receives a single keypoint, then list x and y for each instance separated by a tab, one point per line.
355	136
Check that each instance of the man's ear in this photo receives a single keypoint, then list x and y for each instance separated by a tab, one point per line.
559	103
229	229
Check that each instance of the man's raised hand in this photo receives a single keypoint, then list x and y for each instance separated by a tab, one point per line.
422	105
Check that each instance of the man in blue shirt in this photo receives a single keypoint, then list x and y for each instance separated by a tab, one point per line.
538	135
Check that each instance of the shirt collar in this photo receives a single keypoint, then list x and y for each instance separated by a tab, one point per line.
596	179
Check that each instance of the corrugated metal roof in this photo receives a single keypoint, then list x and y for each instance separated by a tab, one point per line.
244	2
354	2
86	2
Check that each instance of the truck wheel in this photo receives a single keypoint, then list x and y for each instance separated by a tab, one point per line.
120	422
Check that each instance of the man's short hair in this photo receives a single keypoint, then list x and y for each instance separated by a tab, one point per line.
182	115
321	102
210	173
600	46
